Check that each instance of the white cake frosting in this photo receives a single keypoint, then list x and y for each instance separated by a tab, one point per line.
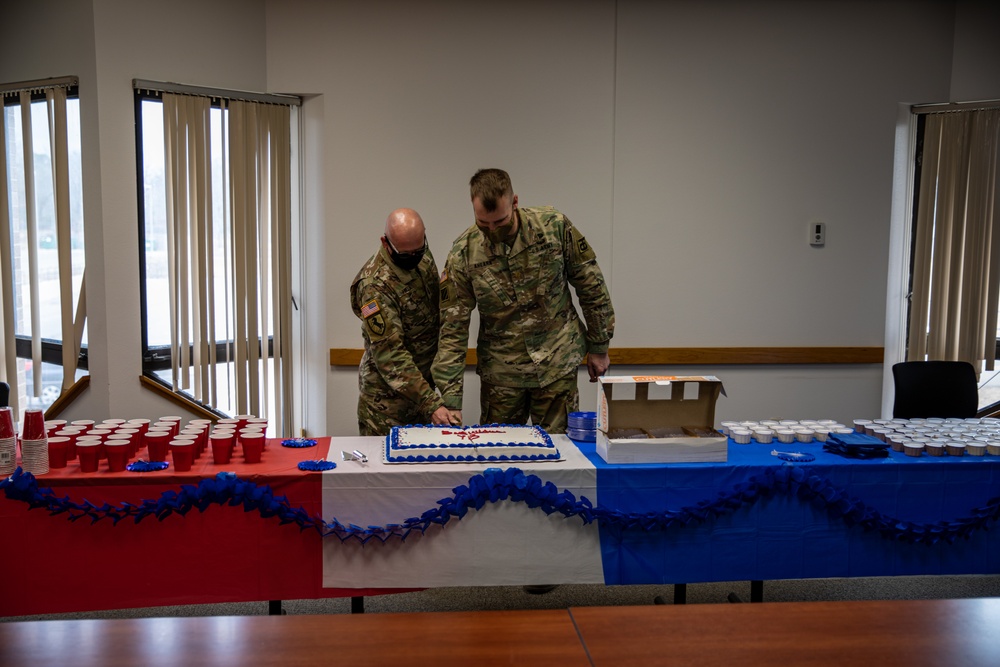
501	443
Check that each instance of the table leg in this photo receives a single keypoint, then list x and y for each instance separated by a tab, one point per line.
358	605
680	593
274	608
756	591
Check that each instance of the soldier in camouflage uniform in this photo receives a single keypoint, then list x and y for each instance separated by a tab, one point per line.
516	266
396	297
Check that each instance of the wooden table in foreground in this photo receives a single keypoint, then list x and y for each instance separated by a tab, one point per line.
913	633
535	637
887	632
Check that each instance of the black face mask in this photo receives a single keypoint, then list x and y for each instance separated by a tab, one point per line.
406	260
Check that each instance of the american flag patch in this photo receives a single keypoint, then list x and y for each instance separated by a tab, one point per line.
444	275
369	309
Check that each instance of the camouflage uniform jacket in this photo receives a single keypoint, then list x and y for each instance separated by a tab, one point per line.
529	331
399	314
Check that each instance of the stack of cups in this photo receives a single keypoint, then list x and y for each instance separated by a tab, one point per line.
34	443
8	442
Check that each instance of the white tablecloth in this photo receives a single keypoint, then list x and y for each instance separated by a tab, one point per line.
504	543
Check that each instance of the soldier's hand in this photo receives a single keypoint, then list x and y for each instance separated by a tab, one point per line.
441	417
598	365
456	417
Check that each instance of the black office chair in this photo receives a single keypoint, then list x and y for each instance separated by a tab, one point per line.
4	394
935	389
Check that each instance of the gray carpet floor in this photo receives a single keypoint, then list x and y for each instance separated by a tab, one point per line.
514	597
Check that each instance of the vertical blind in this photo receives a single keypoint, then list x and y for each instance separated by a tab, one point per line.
956	257
253	264
55	91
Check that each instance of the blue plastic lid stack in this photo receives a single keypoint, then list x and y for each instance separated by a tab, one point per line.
582	426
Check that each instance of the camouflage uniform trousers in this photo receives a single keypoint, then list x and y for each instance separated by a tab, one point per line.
378	413
548	406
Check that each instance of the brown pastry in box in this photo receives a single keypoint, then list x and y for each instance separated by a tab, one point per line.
701	432
623	433
666	432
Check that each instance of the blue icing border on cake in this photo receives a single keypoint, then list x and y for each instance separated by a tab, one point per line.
393	449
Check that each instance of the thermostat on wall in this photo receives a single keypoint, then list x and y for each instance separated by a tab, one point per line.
817	233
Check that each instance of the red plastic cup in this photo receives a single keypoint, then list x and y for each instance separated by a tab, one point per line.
7	423
85	424
53	425
88	451
173	421
58	452
253	447
222	447
117	452
199	435
34	424
119	437
250	430
183	453
71	434
134	439
141	424
157	445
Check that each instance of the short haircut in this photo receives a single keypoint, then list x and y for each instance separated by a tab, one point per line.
490	185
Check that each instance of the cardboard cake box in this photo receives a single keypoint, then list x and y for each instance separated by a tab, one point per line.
659	419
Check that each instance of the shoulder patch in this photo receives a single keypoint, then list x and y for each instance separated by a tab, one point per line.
373	319
370	308
376	325
579	249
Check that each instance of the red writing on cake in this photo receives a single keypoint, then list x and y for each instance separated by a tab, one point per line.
472	436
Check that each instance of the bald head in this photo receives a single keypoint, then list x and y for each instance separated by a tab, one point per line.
405	230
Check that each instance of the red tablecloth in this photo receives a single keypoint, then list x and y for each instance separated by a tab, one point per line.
49	564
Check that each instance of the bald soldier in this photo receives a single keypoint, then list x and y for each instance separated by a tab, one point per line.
395	295
516	266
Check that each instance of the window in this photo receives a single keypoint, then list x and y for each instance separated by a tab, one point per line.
215	230
955	266
42	265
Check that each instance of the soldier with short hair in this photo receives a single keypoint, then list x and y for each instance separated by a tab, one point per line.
395	295
516	266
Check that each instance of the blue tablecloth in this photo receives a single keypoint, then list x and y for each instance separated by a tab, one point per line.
787	535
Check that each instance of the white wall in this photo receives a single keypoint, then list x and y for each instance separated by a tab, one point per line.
691	141
416	97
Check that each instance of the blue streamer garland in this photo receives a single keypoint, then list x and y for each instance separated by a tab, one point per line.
495	485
